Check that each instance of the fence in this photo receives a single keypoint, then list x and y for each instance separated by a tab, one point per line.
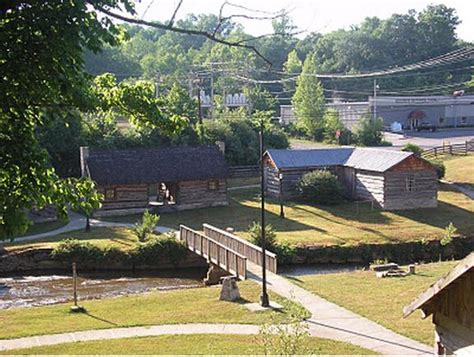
217	253
244	171
247	249
450	149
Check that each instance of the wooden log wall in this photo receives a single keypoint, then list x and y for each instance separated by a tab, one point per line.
196	194
252	252
423	195
369	185
126	196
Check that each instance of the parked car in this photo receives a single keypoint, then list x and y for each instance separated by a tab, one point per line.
426	126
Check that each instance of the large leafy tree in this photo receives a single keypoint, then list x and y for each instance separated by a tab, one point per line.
308	101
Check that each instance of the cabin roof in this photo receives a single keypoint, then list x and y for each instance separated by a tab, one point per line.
371	159
439	286
154	165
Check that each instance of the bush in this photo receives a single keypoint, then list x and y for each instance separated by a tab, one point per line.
73	250
157	248
370	132
439	167
413	148
146	227
284	251
320	187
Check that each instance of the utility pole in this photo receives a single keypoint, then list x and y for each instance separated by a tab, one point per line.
375	99
264	298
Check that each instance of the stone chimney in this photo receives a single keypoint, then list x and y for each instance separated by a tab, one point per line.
221	146
84	154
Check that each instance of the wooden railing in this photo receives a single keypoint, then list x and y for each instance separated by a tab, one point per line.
449	149
215	252
243	247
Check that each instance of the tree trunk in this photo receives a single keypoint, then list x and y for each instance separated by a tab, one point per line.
88	224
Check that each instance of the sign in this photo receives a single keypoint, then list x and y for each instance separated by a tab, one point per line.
338	134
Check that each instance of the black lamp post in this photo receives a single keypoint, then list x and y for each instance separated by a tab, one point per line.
264	298
280	196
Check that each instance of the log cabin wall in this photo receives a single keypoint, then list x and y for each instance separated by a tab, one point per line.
124	196
454	314
411	184
369	185
201	193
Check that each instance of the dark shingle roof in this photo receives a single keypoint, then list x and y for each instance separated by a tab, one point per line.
139	166
371	159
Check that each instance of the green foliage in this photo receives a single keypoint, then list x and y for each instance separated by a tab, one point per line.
159	248
152	252
255	232
146	227
291	67
369	132
285	252
439	167
308	100
413	148
333	124
288	339
320	187
449	232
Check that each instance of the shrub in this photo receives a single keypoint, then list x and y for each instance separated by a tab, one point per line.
157	248
370	132
439	167
413	148
320	187
255	232
146	227
73	250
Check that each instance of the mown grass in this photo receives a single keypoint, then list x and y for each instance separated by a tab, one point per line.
188	345
45	227
460	170
310	224
381	300
155	308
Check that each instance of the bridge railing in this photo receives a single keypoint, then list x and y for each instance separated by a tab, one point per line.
217	253
243	247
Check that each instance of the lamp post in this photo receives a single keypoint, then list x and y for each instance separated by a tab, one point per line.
264	298
280	196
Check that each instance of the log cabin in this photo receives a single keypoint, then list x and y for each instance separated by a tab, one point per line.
159	179
450	301
394	180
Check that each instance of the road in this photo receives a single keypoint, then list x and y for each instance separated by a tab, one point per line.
426	139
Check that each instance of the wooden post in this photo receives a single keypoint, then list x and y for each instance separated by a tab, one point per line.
372	205
75	307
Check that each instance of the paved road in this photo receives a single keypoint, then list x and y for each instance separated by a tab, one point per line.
426	139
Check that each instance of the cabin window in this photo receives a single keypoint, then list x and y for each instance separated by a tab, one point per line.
410	183
441	120
212	185
110	193
463	120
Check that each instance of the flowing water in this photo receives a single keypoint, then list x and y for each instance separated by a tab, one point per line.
35	290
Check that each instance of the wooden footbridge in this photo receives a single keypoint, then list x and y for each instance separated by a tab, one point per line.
226	250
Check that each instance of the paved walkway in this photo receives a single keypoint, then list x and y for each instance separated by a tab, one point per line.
76	222
114	333
461	188
331	321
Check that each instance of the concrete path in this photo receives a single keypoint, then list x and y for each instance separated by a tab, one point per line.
331	321
461	188
76	222
114	333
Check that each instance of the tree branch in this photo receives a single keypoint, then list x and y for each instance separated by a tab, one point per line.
171	22
170	27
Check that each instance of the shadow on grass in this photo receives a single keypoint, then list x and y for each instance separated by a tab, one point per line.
99	318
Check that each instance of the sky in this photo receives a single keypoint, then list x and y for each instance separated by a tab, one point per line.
310	15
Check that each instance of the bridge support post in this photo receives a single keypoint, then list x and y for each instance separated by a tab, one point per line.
214	275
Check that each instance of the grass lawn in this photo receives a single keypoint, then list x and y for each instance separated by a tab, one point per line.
170	307
381	300
460	169
305	224
307	144
117	236
45	227
188	345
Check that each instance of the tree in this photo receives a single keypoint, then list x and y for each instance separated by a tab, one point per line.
146	227
369	132
292	67
308	101
413	148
